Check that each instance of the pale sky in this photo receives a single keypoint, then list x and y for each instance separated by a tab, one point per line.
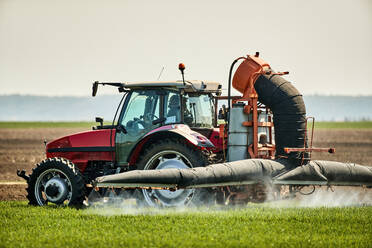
61	47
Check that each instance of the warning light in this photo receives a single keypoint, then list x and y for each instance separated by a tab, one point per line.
181	66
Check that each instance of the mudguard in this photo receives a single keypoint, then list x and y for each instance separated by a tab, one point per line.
196	139
184	131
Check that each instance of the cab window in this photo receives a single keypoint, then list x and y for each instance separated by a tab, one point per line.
199	111
142	109
172	108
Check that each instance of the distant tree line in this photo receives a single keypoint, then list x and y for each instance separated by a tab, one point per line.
44	108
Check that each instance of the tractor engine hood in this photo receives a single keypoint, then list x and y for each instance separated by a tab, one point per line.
96	140
83	147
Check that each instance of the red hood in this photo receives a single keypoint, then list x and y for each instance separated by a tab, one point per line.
95	138
83	147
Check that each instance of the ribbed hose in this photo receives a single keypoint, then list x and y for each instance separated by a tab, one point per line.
246	172
289	115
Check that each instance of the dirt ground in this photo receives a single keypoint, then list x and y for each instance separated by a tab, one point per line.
24	148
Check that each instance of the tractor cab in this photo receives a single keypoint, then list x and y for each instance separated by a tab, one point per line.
150	108
156	109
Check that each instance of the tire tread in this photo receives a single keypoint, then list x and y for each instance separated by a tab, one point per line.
78	187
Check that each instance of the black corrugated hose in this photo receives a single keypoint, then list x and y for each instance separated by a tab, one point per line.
289	114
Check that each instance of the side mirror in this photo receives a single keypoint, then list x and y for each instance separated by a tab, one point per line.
94	88
100	120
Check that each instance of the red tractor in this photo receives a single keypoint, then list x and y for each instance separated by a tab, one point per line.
157	125
262	139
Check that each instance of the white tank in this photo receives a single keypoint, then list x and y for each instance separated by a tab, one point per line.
240	137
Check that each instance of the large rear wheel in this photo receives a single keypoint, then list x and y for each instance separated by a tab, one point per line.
166	154
56	181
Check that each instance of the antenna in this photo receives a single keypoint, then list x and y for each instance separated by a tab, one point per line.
161	72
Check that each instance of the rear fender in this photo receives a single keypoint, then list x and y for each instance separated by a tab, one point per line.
179	131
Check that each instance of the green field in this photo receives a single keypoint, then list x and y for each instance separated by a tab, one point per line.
10	124
342	125
253	226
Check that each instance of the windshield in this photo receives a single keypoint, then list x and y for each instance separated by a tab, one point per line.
199	111
142	109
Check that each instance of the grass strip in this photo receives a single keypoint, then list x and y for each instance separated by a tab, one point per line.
343	125
253	226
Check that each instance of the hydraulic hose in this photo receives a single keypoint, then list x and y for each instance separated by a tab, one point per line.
229	88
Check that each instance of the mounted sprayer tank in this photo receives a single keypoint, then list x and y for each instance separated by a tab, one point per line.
250	126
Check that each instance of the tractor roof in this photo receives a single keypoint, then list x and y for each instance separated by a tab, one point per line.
189	86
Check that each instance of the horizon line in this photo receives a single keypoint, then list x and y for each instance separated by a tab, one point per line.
105	94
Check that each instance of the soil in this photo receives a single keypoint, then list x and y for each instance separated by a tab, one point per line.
24	148
352	145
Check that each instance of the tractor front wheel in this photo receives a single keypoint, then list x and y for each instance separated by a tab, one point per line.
166	154
57	181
